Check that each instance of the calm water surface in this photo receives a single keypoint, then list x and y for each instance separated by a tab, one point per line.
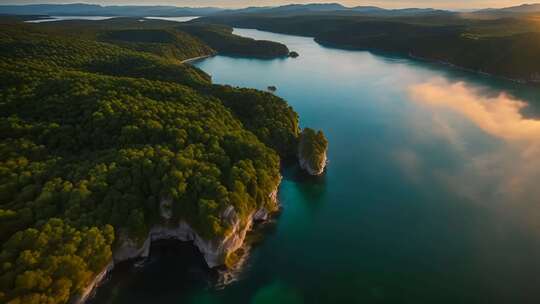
64	18
98	18
431	194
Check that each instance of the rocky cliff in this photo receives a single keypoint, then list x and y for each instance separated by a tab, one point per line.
215	251
318	169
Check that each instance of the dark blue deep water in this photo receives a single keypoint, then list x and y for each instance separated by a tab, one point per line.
432	193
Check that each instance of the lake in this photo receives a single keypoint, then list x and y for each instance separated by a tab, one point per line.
431	193
97	18
65	18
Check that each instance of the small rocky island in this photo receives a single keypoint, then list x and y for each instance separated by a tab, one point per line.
293	54
312	149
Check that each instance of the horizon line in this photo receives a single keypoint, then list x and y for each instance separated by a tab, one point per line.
263	6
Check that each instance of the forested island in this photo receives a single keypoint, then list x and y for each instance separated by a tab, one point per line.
109	141
503	43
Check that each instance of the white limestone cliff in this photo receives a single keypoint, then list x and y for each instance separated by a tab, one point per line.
214	251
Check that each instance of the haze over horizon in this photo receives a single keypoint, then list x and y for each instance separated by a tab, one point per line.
440	4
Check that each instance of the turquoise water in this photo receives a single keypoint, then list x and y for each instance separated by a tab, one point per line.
431	193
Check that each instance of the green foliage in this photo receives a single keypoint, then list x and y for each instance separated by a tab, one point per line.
95	135
167	43
105	138
48	50
513	56
269	117
221	39
52	262
312	148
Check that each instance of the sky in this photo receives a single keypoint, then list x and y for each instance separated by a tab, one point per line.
443	4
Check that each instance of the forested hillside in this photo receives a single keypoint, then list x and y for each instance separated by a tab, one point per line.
172	40
222	39
97	129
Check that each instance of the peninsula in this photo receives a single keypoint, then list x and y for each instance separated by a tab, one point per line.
109	142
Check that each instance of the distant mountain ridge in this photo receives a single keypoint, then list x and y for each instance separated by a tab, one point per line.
173	11
519	9
98	10
321	8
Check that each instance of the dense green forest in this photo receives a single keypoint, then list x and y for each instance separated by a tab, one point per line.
97	127
222	39
503	46
167	39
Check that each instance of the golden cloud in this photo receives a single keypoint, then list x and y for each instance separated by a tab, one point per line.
498	115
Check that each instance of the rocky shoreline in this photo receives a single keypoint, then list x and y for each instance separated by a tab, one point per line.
215	252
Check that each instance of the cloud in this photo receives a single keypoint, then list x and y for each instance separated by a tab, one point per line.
497	115
505	172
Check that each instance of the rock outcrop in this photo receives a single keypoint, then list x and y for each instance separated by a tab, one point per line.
313	170
312	151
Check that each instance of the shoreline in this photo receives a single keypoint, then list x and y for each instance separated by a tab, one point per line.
189	60
409	56
462	68
441	63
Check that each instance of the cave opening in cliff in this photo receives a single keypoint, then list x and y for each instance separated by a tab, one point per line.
172	268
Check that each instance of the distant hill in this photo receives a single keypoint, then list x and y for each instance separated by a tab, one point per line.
310	7
520	9
288	9
330	8
173	11
98	10
373	10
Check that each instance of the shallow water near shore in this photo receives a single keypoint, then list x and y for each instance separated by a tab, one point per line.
430	195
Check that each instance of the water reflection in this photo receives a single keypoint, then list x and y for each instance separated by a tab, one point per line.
65	18
498	115
508	173
176	19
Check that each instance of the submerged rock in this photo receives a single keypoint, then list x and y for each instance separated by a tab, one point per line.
312	150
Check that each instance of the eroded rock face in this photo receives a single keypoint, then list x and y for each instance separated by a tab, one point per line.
165	208
312	151
214	251
313	170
